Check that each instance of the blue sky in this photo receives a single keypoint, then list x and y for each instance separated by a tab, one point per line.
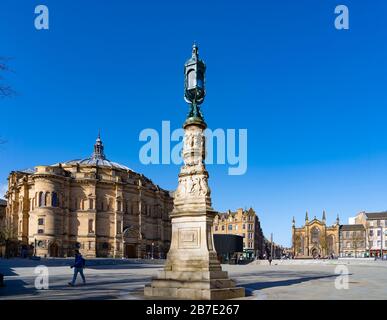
312	98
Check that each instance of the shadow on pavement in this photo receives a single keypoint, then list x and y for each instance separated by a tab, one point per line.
250	287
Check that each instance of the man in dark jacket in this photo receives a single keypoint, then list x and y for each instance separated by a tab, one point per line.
78	266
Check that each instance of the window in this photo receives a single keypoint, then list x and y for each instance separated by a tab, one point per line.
54	199
348	244
40	221
119	227
41	199
347	234
385	243
250	235
91	204
47	199
216	228
222	228
378	233
371	233
91	223
371	244
236	227
379	243
244	226
40	231
230	227
378	223
315	235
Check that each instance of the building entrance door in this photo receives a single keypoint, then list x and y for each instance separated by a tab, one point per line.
130	251
53	250
315	253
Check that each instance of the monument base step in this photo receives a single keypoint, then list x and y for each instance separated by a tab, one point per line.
194	294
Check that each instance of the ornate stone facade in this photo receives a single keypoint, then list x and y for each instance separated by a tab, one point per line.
315	238
101	207
246	224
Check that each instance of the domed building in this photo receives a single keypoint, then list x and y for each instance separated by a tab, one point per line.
100	207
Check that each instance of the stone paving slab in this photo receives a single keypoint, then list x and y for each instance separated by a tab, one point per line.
261	282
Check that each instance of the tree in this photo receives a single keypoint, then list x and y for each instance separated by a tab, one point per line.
5	89
323	243
7	234
297	244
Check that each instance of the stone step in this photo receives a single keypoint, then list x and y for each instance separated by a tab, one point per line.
192	276
203	284
194	294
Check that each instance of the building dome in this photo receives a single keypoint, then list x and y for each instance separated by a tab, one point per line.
97	159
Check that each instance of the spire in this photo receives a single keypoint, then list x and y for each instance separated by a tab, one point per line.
337	219
323	216
306	216
98	148
195	53
293	222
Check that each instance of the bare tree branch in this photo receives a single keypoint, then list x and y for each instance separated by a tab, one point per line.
5	90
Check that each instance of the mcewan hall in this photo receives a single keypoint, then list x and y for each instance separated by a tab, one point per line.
98	206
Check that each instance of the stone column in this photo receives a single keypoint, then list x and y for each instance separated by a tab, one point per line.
192	270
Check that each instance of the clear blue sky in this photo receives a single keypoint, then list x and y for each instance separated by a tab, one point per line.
312	98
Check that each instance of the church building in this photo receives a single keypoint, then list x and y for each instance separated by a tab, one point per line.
315	238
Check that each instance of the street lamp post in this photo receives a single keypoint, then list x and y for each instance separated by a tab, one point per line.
153	244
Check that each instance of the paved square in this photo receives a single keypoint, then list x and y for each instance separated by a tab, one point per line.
126	280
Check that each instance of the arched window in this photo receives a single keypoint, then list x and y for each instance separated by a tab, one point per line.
91	227
91	204
54	199
41	199
315	235
47	199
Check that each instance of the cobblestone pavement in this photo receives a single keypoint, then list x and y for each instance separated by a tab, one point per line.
126	281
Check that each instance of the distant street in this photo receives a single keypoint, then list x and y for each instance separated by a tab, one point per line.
126	281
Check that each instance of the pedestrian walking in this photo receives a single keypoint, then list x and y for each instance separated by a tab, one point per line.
270	260
78	266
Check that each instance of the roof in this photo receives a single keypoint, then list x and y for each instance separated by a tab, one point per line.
376	215
3	202
352	227
97	159
95	162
